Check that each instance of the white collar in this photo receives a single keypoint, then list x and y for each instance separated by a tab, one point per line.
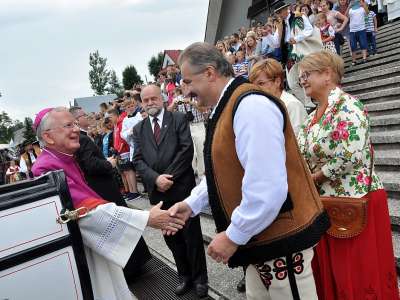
220	96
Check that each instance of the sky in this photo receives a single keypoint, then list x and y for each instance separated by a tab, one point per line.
45	44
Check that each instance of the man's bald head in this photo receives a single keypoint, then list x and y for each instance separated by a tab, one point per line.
152	100
151	87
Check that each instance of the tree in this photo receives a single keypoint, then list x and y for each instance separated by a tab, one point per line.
130	77
155	64
114	85
7	127
99	74
29	134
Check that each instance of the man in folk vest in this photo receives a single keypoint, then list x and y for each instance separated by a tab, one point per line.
267	211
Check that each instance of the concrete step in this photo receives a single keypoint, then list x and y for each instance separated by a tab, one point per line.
373	85
396	247
386	140
385	123
371	71
388	157
391	180
368	76
379	96
384	108
394	212
394	50
381	49
381	62
222	280
382	40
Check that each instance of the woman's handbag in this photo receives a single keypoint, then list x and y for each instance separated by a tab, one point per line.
348	215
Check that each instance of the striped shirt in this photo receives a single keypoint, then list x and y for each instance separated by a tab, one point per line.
369	22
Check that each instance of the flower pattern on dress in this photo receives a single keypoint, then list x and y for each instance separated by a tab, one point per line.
339	145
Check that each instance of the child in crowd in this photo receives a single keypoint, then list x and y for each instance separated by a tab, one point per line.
358	12
327	32
241	66
371	28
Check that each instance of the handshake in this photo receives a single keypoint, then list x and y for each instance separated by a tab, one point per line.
171	220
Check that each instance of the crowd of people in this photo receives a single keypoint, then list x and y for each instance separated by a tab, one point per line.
220	128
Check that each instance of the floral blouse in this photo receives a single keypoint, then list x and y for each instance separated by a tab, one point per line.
339	145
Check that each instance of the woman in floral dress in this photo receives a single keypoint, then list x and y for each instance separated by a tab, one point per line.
335	142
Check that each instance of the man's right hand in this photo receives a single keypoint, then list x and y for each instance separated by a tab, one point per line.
162	219
180	210
164	182
112	161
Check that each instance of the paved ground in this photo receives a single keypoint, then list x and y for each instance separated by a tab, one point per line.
222	280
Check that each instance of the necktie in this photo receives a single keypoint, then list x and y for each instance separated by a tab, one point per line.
157	130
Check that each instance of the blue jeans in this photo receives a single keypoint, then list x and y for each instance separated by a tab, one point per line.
371	41
358	37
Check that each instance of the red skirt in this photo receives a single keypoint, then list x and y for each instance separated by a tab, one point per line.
362	267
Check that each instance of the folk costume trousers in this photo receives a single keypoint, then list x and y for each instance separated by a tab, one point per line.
272	281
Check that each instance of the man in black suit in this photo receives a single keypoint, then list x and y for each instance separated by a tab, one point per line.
163	157
98	172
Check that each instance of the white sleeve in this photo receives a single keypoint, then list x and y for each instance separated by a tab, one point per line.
273	39
198	198
8	172
126	131
22	165
297	115
306	32
260	146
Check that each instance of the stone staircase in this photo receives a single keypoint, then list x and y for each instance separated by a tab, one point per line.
377	84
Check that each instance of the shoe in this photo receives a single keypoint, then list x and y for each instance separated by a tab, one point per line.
353	63
364	61
201	290
183	287
133	196
241	286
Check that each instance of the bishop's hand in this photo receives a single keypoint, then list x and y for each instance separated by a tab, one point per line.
161	219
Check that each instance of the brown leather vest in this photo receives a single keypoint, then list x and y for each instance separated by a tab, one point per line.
301	221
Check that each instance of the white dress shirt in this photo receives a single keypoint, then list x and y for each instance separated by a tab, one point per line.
299	37
159	117
296	111
260	146
127	131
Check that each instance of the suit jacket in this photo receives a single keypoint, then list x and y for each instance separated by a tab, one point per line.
173	156
97	170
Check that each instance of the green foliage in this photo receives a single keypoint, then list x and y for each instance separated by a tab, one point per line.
7	127
114	85
29	134
155	64
130	77
99	75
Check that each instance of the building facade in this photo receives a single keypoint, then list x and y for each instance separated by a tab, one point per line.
227	16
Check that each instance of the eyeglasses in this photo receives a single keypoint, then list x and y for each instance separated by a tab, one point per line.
304	76
67	126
